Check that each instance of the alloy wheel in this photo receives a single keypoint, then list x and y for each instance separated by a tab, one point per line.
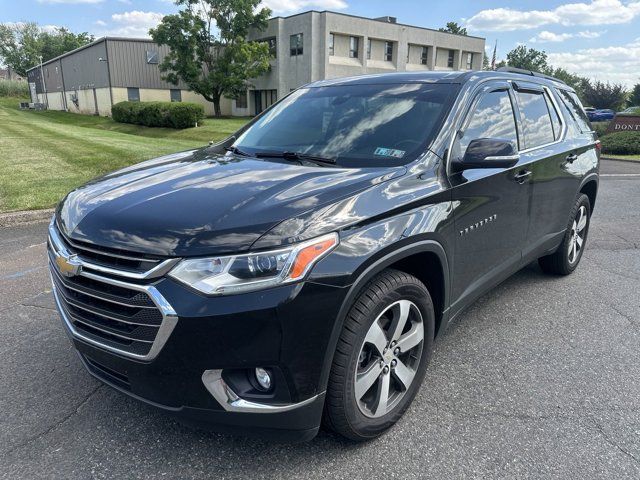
578	233
389	358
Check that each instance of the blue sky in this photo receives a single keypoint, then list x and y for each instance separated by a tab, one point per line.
597	38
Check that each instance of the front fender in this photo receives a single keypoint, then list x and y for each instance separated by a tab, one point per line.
365	252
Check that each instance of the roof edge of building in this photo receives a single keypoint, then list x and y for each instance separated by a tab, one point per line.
375	20
91	44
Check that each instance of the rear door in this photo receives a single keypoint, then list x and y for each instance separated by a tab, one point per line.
550	157
490	204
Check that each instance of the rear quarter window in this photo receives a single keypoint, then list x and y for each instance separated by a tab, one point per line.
575	110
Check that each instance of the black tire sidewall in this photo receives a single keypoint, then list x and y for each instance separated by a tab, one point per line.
582	201
367	427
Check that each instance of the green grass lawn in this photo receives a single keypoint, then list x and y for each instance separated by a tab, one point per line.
43	155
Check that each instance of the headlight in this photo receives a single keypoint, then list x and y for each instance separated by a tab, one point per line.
253	271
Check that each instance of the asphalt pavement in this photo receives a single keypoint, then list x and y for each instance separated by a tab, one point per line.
539	379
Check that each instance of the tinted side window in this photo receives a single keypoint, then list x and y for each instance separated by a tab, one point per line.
535	119
574	108
555	118
492	117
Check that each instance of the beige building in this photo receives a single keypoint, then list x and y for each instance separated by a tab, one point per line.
314	46
306	47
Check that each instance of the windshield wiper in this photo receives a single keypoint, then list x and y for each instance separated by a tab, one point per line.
237	151
294	156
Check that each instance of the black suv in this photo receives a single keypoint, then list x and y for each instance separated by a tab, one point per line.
297	272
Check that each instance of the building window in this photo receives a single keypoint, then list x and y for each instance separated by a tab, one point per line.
241	100
133	94
368	49
353	47
469	61
152	57
450	59
388	51
295	44
331	43
176	95
424	55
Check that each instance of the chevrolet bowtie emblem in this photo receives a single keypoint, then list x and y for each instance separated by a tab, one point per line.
68	266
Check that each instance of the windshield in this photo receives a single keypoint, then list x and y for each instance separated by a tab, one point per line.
353	125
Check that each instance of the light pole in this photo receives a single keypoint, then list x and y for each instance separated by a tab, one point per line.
44	85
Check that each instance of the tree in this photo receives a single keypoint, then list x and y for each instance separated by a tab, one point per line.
528	59
60	41
485	62
574	81
453	27
22	44
604	95
208	45
634	98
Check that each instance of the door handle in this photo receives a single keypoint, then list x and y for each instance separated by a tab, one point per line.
572	157
521	176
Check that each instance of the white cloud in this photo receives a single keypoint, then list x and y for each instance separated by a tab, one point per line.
597	12
100	23
280	7
546	36
615	64
132	24
70	1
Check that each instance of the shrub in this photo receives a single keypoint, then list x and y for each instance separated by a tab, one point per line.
158	114
12	88
621	143
600	128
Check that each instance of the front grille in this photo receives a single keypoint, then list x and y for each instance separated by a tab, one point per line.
109	257
131	319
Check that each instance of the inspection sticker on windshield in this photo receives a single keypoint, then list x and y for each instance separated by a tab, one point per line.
389	152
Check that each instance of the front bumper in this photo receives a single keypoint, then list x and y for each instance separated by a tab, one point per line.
286	329
197	365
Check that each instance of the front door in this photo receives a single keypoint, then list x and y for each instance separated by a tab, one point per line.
490	204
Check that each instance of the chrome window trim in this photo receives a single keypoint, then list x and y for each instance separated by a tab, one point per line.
231	402
60	249
563	123
475	96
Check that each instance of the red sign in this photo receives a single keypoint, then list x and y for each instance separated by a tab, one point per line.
624	123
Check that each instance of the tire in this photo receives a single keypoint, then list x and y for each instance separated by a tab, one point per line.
565	260
383	301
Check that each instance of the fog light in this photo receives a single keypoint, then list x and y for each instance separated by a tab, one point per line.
263	377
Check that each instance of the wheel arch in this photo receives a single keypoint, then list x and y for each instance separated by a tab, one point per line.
404	258
589	187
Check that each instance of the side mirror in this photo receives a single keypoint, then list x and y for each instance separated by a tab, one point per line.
488	153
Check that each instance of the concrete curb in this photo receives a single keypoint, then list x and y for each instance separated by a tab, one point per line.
620	159
12	219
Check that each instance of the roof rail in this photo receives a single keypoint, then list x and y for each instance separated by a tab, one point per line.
529	72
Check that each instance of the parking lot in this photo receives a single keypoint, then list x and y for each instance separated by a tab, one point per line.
539	379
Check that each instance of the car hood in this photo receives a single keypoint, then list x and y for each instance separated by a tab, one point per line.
199	203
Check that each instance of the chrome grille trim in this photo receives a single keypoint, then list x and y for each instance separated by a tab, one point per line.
68	286
59	248
169	321
86	308
163	329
